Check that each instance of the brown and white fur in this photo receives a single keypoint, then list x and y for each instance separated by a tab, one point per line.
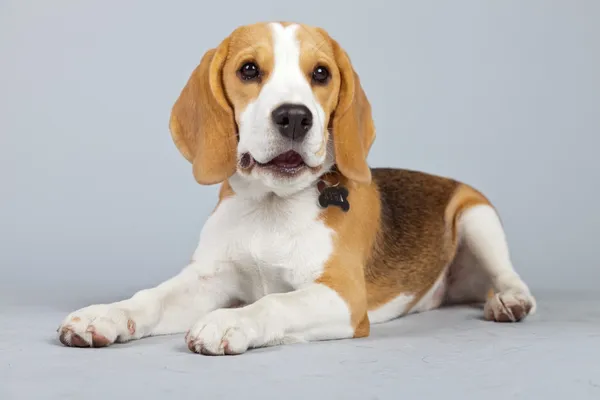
272	266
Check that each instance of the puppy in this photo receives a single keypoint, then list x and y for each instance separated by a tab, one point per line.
306	242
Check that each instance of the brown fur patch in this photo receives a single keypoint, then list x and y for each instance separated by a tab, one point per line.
343	100
204	118
418	235
355	235
252	43
202	123
353	126
413	244
397	238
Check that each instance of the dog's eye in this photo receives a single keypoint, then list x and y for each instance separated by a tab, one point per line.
249	71
320	75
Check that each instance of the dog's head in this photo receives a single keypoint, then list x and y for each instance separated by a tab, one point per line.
274	105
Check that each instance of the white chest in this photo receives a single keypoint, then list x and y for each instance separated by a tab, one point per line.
273	246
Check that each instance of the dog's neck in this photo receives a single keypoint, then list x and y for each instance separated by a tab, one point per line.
327	190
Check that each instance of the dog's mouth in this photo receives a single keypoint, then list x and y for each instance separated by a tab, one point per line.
289	163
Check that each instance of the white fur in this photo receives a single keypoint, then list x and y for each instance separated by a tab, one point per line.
313	312
481	232
433	298
392	309
266	253
258	136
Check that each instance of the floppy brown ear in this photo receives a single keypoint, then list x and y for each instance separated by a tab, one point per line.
353	126
202	122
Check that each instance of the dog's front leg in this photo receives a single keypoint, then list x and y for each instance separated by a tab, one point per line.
171	307
315	312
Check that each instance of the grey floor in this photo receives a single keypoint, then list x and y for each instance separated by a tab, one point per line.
449	353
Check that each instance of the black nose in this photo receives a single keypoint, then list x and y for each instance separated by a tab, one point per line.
292	120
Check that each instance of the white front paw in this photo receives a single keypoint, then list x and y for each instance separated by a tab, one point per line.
96	326
225	331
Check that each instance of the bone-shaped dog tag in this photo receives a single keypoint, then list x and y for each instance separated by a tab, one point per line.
334	196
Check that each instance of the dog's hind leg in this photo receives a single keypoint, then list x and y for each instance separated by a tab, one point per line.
482	263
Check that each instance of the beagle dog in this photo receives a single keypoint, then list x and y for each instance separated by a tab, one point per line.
306	242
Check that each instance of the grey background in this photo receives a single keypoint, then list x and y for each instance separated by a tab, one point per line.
96	202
